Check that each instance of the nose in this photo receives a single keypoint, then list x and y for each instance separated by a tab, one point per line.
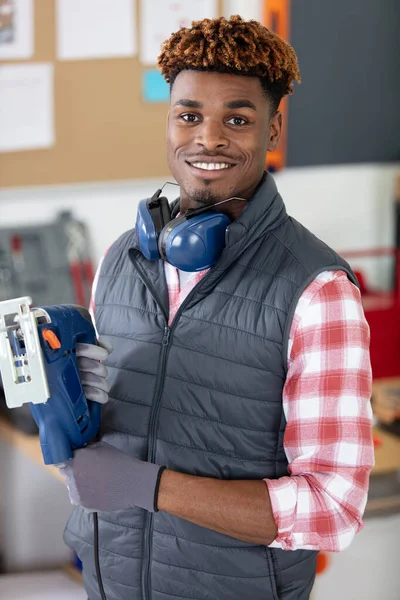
211	135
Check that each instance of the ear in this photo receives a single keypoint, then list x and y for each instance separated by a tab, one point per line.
275	130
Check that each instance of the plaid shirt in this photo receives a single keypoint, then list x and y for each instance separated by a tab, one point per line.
326	401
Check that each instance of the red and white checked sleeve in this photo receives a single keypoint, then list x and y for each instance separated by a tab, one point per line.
328	437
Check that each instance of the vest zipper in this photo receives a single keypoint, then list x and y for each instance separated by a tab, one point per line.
148	517
149	521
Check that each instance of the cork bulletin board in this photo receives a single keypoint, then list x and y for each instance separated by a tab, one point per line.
104	130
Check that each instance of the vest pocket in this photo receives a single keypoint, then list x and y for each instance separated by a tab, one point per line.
271	570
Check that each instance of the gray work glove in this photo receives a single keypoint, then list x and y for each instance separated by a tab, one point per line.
102	478
93	373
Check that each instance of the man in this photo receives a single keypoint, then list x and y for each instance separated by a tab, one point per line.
237	440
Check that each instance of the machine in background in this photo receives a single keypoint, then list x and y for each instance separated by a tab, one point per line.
52	264
382	310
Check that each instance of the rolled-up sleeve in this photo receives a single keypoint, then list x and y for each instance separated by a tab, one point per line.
328	438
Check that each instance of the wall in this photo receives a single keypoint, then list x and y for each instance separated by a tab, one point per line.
346	109
349	207
368	569
34	508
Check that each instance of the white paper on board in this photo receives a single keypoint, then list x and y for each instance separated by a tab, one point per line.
93	29
16	29
160	18
26	107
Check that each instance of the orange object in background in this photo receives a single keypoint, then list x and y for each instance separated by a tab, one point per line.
276	17
322	562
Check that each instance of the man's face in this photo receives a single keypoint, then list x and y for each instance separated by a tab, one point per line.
219	131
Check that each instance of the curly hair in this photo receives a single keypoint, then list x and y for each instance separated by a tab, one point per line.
232	46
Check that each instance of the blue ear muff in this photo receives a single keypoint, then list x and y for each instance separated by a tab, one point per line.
189	243
196	243
152	216
146	232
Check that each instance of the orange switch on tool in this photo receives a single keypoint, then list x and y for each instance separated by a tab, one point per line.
50	337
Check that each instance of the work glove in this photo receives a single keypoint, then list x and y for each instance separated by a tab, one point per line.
102	478
93	373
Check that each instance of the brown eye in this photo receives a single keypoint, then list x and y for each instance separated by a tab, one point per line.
190	118
237	121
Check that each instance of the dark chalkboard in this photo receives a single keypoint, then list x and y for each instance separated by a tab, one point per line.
347	108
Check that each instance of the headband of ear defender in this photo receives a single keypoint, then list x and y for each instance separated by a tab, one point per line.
191	242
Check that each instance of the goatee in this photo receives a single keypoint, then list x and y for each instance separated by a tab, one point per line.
206	197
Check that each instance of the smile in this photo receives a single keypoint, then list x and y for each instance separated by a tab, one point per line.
209	170
211	166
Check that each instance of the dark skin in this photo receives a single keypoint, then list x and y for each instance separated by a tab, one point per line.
219	119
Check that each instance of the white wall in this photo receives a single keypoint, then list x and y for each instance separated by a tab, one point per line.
34	508
368	569
248	9
349	207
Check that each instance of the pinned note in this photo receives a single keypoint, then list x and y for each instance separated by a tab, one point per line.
96	29
26	107
16	29
160	18
154	86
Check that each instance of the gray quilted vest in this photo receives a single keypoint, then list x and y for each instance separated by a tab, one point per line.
202	397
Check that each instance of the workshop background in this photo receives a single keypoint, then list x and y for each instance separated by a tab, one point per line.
82	140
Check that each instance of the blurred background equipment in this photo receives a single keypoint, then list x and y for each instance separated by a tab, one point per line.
52	264
49	262
382	310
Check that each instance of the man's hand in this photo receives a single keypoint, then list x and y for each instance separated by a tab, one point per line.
93	373
102	478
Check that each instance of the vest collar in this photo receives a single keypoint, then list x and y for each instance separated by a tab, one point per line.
264	212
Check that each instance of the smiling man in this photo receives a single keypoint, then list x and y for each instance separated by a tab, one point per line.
236	437
233	115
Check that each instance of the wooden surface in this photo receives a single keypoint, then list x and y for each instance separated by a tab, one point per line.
387	456
73	573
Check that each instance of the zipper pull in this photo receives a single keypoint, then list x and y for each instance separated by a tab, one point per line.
165	340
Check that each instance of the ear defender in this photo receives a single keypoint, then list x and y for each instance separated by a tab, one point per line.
191	242
194	243
152	216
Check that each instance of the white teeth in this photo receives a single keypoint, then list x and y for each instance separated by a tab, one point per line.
210	166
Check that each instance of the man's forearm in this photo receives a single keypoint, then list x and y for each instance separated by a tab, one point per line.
240	509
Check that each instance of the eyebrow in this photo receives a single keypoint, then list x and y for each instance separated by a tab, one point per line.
188	103
241	104
231	105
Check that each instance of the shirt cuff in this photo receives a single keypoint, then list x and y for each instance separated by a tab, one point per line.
283	496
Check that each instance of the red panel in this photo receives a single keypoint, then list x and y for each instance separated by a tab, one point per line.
382	311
